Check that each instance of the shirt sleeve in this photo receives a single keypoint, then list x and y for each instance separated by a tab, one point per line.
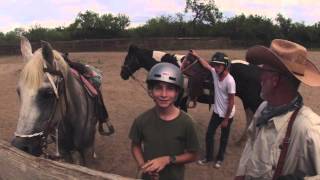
135	132
192	143
213	72
247	152
231	86
313	146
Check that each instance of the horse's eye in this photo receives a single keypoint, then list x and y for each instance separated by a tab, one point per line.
46	93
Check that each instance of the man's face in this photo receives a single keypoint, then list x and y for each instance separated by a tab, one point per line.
269	79
164	94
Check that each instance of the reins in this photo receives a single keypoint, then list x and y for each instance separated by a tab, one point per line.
140	83
128	69
189	66
50	125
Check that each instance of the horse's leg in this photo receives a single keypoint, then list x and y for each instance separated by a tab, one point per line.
78	158
66	155
249	116
88	156
65	143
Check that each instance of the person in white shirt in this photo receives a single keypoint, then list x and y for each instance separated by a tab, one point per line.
224	109
284	135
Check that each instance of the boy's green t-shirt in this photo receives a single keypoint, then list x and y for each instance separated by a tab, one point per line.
162	138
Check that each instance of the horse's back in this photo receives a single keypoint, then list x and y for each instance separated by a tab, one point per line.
247	78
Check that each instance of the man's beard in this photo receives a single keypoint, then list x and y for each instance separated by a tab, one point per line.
265	91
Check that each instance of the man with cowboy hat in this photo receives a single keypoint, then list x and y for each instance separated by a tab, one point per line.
284	135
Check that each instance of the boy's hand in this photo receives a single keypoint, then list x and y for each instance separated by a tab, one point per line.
193	53
156	165
224	123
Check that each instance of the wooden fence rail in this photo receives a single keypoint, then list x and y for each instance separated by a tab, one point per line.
123	44
17	165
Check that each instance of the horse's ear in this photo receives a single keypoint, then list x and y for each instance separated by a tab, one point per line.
182	59
132	47
26	49
47	52
65	56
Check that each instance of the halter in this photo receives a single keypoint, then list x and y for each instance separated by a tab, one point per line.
130	71
57	88
189	66
128	68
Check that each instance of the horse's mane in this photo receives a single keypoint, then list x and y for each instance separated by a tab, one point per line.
170	58
32	74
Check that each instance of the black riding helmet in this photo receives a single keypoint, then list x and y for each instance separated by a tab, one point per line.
220	58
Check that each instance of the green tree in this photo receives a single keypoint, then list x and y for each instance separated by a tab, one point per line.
13	36
256	29
92	25
88	20
284	24
205	11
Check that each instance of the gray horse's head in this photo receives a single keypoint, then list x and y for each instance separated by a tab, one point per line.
39	88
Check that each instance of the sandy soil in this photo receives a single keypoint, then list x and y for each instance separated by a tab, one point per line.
125	100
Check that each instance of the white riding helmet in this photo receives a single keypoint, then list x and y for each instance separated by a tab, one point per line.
166	72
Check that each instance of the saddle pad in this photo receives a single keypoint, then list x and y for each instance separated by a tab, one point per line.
88	86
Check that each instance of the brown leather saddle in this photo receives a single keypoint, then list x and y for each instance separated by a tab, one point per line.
200	85
91	90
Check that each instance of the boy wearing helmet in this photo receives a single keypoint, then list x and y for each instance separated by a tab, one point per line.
224	109
163	138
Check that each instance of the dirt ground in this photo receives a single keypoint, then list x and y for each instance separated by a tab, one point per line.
125	100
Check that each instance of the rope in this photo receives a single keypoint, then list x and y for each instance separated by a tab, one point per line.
188	67
139	82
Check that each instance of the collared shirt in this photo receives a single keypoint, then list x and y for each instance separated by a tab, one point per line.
261	153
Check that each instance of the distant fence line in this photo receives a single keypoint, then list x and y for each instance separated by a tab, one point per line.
123	44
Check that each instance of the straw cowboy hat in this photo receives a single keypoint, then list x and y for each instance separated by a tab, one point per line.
288	57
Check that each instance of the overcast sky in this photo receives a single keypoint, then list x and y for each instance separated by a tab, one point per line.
54	13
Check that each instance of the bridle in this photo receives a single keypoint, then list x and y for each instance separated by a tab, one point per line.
128	68
51	126
189	66
130	71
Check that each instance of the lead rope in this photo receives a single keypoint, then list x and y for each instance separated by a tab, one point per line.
140	83
190	65
44	137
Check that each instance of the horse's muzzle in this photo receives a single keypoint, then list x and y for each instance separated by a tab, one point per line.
28	145
124	74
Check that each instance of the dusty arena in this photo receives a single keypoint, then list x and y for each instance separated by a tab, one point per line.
125	100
